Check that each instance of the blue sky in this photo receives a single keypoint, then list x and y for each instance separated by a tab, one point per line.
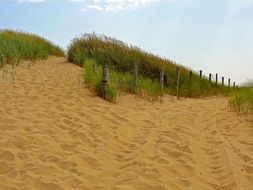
212	35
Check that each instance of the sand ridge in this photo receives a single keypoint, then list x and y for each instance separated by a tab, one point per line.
55	134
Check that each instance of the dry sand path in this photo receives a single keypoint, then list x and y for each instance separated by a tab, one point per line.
55	134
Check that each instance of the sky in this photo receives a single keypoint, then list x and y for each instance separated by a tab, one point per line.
215	36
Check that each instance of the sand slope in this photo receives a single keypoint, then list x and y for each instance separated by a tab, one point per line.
55	134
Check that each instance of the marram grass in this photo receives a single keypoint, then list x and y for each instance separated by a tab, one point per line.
242	101
119	83
16	46
121	56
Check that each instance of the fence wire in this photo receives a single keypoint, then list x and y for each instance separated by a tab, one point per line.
184	84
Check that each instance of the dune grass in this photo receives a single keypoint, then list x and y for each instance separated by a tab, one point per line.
242	101
92	51
119	83
121	56
16	46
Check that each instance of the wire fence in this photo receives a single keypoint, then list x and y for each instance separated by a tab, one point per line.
216	78
163	78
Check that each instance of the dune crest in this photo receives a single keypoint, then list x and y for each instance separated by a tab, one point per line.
55	134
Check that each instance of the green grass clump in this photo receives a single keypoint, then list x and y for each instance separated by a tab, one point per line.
118	83
16	46
242	101
93	79
121	56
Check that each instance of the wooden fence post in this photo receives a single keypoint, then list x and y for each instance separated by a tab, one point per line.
229	83
178	82
234	85
190	83
216	78
222	80
162	78
135	76
200	73
210	78
104	80
190	77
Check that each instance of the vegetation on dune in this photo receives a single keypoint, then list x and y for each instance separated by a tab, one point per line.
16	46
119	82
242	101
120	57
92	51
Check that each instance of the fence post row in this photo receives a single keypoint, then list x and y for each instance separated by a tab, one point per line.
135	76
162	78
135	79
178	82
104	80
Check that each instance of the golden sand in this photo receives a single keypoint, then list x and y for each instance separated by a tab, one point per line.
55	134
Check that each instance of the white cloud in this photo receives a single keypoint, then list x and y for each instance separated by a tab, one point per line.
95	7
118	5
77	0
105	5
30	1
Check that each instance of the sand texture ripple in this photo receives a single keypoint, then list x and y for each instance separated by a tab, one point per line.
56	134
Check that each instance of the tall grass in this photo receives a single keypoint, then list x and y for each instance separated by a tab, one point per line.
119	82
121	56
242	101
16	46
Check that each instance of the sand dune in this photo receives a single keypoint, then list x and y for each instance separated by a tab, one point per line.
55	134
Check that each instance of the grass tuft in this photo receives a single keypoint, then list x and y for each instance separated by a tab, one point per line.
242	101
118	83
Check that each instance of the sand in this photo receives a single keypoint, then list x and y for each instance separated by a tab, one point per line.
56	134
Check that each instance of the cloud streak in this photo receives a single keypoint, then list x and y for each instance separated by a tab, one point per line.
30	1
119	5
105	5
